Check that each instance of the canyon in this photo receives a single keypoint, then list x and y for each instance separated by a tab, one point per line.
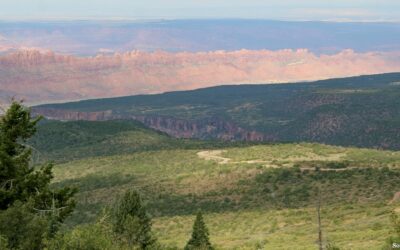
210	128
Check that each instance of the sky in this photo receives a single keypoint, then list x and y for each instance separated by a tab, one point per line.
294	10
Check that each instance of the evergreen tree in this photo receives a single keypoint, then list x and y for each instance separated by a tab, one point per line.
16	127
132	222
200	236
23	188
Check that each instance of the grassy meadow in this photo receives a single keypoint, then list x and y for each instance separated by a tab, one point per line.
253	197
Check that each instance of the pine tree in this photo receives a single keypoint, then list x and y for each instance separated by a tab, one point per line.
132	222
200	236
16	127
22	186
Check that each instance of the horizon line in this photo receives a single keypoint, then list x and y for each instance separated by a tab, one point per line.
157	19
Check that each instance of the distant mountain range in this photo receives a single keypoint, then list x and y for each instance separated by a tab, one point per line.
42	77
359	111
59	61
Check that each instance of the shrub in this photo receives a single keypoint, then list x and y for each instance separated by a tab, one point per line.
88	237
22	229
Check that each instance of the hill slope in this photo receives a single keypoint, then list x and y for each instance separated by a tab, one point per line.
358	111
253	196
62	141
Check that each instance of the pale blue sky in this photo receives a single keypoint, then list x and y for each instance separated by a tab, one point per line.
337	10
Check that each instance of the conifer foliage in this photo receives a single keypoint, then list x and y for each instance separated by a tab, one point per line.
132	222
25	193
200	235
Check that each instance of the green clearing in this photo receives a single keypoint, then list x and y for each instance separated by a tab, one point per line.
253	197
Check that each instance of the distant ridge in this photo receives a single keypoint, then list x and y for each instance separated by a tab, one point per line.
358	111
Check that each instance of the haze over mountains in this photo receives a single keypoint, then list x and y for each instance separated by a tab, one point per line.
60	61
92	37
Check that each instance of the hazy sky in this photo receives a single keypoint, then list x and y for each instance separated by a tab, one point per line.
338	10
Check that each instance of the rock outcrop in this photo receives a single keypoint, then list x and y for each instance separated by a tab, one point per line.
212	128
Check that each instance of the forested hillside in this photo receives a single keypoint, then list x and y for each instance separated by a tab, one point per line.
358	111
62	141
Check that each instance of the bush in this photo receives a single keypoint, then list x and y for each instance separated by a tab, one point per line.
337	165
3	242
88	237
331	246
22	229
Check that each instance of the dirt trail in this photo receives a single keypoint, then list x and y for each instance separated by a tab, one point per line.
214	155
329	169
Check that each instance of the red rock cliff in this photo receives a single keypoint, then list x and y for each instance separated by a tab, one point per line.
180	128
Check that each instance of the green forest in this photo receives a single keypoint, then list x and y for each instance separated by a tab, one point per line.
360	111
